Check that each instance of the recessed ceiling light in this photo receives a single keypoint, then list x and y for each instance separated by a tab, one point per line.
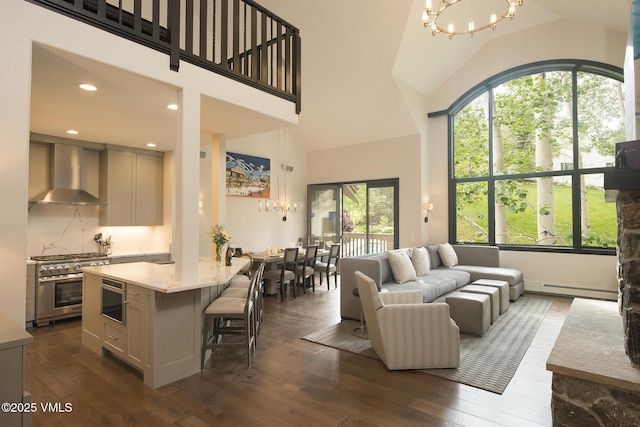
87	86
151	144
72	132
172	107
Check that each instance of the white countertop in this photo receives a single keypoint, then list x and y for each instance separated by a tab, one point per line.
161	277
11	335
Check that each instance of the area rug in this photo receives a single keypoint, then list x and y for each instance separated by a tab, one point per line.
488	362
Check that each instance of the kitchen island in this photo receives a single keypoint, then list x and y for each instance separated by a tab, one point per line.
140	314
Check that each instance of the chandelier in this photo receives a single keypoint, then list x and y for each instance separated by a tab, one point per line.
445	17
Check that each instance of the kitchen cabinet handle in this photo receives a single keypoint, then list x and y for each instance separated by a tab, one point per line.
134	293
113	338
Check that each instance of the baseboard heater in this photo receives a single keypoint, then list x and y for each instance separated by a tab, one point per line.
547	288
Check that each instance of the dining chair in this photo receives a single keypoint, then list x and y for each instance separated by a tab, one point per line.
305	270
286	273
231	316
331	266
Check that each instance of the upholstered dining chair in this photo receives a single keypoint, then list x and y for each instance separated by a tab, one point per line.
404	332
305	270
286	273
331	266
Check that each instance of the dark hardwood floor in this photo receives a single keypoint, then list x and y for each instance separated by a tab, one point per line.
291	382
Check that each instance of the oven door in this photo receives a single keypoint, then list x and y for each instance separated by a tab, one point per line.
113	300
58	298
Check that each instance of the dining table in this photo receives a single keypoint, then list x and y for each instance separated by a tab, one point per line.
273	261
270	258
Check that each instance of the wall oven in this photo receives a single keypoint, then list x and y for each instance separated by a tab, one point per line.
59	285
113	300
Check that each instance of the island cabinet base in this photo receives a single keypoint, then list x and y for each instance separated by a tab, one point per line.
161	335
174	338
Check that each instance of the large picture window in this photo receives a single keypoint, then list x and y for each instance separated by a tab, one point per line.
528	149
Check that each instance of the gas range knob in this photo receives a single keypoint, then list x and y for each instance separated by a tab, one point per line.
93	264
44	270
77	267
59	269
52	269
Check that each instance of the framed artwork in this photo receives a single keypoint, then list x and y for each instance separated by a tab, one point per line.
248	176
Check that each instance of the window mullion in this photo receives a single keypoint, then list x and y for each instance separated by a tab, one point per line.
577	167
491	205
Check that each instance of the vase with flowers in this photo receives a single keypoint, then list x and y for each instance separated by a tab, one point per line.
220	237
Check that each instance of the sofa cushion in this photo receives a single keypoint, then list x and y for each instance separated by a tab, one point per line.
401	266
434	258
447	255
440	282
477	272
420	261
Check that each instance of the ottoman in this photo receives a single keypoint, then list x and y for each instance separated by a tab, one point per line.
504	291
471	312
493	294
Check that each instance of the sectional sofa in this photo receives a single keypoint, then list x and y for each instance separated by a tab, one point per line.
468	264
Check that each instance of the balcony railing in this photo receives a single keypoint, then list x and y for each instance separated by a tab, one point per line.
354	244
236	38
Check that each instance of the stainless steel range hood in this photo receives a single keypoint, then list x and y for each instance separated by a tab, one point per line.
66	179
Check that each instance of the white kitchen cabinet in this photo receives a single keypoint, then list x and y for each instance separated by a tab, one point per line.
136	320
13	341
92	320
114	337
131	183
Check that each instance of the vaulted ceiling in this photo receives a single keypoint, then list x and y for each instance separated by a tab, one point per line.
354	53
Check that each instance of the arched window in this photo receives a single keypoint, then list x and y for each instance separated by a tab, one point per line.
528	150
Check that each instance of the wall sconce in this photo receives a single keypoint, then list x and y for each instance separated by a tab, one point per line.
427	207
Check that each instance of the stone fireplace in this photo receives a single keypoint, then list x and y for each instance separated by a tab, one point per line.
596	358
628	210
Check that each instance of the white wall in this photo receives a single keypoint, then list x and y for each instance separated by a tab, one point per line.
392	158
556	40
253	230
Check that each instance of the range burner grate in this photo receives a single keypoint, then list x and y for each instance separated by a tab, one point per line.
65	257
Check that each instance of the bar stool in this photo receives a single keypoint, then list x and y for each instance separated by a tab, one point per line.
231	316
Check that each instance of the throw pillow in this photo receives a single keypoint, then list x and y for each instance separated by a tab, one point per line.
401	266
420	260
447	255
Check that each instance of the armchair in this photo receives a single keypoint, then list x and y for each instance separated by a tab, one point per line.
404	332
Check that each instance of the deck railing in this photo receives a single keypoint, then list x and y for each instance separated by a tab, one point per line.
354	244
236	38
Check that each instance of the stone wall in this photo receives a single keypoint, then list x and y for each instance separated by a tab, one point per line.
628	210
577	402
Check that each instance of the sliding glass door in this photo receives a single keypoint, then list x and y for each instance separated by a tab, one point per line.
324	222
368	220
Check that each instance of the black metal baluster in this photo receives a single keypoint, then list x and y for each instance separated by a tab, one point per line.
236	36
203	30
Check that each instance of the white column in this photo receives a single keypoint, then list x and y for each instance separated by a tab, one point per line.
218	181
187	181
15	92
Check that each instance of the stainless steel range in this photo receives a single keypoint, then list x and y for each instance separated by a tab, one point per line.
59	284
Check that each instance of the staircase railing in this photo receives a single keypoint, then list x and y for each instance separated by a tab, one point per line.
236	38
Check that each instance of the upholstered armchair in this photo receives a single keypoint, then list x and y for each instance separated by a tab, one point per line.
404	332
